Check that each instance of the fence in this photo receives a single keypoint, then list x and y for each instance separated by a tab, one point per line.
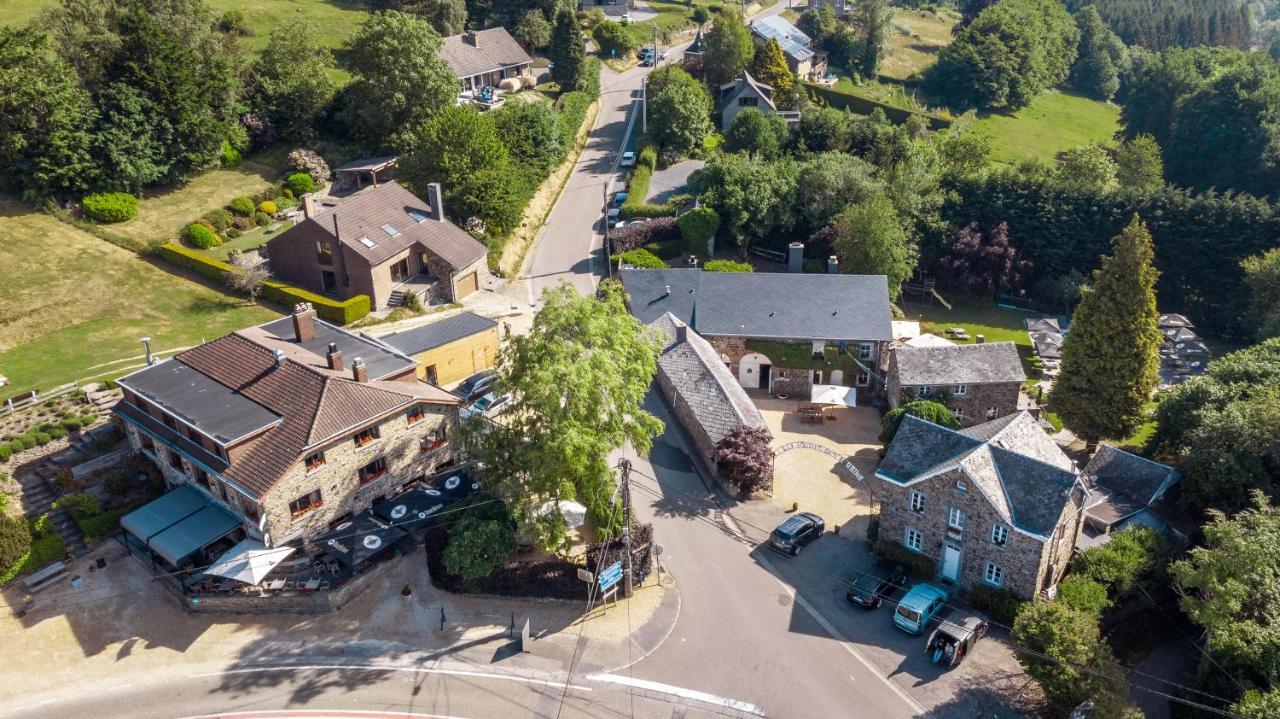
26	399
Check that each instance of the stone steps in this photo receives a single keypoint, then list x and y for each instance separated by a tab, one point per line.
71	535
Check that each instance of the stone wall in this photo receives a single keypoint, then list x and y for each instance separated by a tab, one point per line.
972	407
294	603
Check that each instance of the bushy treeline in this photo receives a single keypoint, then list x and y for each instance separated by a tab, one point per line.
1157	24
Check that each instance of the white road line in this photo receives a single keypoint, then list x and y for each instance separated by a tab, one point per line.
848	646
409	669
693	694
321	714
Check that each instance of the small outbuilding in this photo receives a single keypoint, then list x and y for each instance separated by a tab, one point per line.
450	349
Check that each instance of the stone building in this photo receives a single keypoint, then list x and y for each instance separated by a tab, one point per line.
777	332
287	427
996	504
978	382
804	61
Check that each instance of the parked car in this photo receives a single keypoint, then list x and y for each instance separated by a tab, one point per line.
795	532
954	638
476	385
628	159
619	198
919	607
877	584
489	405
614	217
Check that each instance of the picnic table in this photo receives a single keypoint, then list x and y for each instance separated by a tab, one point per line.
958	332
810	414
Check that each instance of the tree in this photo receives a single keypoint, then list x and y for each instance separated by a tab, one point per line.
754	198
1139	165
1262	274
532	134
756	133
1259	705
666	76
289	84
1089	166
924	409
248	273
1070	661
697	229
566	52
533	31
1084	594
770	67
578	382
1233	451
680	119
964	153
613	39
870	240
871	21
1101	57
982	262
477	547
744	459
828	183
822	129
727	49
1129	556
400	79
447	17
44	120
15	541
1111	357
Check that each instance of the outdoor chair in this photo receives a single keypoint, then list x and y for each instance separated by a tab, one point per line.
324	586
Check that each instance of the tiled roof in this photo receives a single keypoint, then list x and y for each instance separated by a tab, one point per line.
493	49
438	333
988	363
1137	478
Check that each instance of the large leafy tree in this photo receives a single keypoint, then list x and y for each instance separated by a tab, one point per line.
289	85
613	39
770	67
448	17
680	118
129	144
744	457
924	409
869	240
828	183
1139	165
578	382
1101	57
727	49
567	53
754	198
533	31
1087	166
1111	358
1233	451
822	129
871	21
532	135
1069	659
666	76
981	261
756	133
400	79
45	119
1262	273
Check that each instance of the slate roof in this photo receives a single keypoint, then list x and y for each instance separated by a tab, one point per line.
1019	469
764	305
494	49
1137	478
731	90
363	214
792	41
987	363
279	334
439	333
702	380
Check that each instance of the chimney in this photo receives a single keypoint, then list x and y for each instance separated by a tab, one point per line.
667	292
334	356
795	257
471	38
833	265
682	332
359	372
146	345
308	205
436	200
279	357
304	322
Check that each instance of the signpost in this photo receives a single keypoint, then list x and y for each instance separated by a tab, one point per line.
524	638
586	575
610	576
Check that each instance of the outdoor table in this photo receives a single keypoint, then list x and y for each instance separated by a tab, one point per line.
311	585
275	584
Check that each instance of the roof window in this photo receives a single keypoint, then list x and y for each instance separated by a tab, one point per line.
417	216
368	242
390	230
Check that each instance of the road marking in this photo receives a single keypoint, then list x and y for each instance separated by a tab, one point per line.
410	669
848	646
693	694
321	714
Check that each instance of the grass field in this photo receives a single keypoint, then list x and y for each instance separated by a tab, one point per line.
1054	122
163	212
914	41
73	306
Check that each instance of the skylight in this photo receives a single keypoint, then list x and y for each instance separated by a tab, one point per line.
390	230
368	242
417	216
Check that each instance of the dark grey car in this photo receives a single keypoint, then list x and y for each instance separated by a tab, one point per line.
795	532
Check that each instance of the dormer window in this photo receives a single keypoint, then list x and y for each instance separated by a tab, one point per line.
417	216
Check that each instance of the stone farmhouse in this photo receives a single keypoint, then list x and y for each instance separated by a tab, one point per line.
995	504
978	382
383	242
1125	490
284	429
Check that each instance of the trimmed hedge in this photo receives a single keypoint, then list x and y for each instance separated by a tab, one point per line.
629	237
340	312
109	207
642	258
573	110
1001	605
866	106
727	266
920	566
201	236
300	183
697	227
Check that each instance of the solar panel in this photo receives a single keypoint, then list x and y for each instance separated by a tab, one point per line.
368	242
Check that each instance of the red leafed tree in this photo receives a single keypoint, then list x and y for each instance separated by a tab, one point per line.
744	458
982	261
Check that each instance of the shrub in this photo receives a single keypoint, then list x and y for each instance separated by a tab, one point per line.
1130	554
15	541
919	565
642	258
219	219
243	224
629	237
300	183
700	15
268	206
287	193
117	482
697	227
648	157
284	203
42	438
922	408
744	459
727	266
242	206
71	424
233	233
108	207
80	504
477	547
1083	593
5	452
201	236
1001	605
263	219
57	432
229	156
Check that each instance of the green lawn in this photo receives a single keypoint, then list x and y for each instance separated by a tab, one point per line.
1054	122
73	306
163	212
914	41
251	240
977	317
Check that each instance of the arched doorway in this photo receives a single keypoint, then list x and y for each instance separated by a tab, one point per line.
837	377
753	371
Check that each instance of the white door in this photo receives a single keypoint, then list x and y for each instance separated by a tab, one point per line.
749	374
837	377
950	563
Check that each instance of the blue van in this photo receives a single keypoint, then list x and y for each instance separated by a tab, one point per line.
919	607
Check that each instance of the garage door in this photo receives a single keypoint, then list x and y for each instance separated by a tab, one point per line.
466	285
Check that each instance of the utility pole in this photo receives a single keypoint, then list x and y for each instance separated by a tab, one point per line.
644	86
625	466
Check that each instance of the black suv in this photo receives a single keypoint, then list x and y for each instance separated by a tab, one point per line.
877	584
795	532
476	385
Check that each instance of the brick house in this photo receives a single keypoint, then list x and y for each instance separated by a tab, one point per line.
288	426
777	332
978	382
381	241
996	504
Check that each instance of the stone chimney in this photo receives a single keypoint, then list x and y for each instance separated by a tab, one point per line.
795	257
682	332
359	372
471	38
833	265
435	198
334	357
308	205
304	322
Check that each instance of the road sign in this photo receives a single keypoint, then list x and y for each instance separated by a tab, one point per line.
585	575
611	575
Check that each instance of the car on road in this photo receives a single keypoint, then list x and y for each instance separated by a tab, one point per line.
919	607
625	19
489	405
954	638
795	532
628	159
476	385
877	584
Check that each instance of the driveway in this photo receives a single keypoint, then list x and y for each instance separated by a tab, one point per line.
672	181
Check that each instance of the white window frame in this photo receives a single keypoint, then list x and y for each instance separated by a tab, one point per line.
918	536
999	534
863	379
958	412
925	391
864	350
993	574
960	485
916	502
955	518
993	412
960	390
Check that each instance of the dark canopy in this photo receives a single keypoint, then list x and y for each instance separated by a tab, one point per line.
361	538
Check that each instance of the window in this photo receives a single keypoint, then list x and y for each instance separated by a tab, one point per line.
314	461
250	510
955	519
958	412
175	460
993	412
373	470
416	414
417	216
915	540
366	436
324	253
993	575
146	442
864	351
364	240
917	502
439	439
999	534
924	392
960	390
748	101
390	230
961	486
202	478
305	503
863	379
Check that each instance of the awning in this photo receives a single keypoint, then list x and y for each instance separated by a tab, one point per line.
834	394
412	509
360	539
194	533
159	514
249	561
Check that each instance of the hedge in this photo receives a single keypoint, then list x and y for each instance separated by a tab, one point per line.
1001	605
629	237
340	312
44	550
642	258
727	266
109	207
866	106
639	185
573	110
920	566
697	227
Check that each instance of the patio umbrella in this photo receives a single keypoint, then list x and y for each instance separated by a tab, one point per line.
456	485
249	561
834	394
361	538
575	515
411	509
